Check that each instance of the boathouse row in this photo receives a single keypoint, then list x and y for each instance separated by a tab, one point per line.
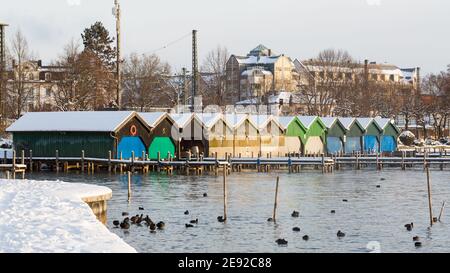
173	135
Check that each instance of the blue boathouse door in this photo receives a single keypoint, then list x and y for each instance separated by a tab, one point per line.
371	144
353	144
130	144
334	145
388	144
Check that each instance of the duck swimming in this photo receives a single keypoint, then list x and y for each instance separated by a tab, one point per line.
189	226
281	242
296	229
295	214
194	221
306	238
161	225
186	212
116	223
340	234
152	226
125	225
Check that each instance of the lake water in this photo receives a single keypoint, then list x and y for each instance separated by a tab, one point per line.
372	217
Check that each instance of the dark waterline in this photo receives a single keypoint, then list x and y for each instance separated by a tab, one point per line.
371	217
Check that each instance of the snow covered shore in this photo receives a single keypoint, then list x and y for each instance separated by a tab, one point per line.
49	216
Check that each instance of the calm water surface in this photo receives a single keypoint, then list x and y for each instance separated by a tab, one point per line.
374	216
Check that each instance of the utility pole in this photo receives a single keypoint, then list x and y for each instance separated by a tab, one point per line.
116	13
3	78
194	82
184	87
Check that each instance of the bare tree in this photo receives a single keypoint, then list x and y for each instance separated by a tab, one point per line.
329	76
19	92
215	64
437	87
147	82
85	83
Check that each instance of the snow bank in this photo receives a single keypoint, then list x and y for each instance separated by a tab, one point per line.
50	216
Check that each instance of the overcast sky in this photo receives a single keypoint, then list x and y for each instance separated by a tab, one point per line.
407	33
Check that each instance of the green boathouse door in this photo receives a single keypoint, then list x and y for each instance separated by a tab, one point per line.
163	145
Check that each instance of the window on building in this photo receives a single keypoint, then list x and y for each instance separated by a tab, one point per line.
391	78
48	92
48	76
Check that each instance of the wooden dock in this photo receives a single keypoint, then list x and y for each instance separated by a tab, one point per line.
190	165
199	165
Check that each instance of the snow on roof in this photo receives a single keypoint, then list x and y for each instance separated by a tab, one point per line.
365	122
328	121
258	70
51	217
153	118
382	122
285	121
260	120
209	119
258	59
90	121
347	122
236	119
307	121
182	119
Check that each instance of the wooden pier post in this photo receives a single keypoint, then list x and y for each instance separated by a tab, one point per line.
57	160
129	186
358	167
225	170
429	196
442	211
22	157
323	162
31	160
132	161
275	204
121	165
378	161
441	166
109	161
82	161
14	165
403	160
5	157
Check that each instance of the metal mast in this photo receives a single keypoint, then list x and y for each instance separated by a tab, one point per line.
194	82
2	69
116	13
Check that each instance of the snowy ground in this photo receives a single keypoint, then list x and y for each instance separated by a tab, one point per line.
49	216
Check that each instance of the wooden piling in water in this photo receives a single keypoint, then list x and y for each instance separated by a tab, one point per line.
109	161
121	165
129	186
30	160
14	165
57	160
275	204
82	161
225	167
430	205
442	211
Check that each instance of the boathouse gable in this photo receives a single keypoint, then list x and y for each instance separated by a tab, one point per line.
163	135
